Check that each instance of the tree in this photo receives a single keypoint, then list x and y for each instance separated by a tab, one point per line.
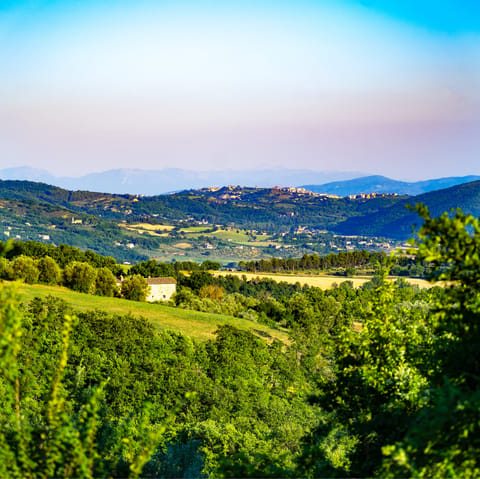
46	432
210	265
105	282
80	276
212	291
152	268
5	268
135	288
25	268
443	439
5	248
50	272
379	380
199	279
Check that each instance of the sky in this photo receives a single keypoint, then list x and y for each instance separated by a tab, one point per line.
379	86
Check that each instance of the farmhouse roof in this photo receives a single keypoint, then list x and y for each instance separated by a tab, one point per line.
161	281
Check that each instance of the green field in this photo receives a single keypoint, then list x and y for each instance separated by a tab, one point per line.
200	326
235	235
192	230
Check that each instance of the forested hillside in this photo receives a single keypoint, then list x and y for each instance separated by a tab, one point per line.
30	220
397	221
265	208
228	224
380	381
382	184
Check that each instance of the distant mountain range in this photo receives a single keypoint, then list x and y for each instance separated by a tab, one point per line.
382	184
156	182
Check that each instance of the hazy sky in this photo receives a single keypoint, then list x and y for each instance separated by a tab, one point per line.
387	87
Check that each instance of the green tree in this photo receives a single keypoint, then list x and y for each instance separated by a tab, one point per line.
5	248
135	288
443	438
105	282
80	276
380	379
210	265
5	268
44	432
198	279
152	269
50	272
24	268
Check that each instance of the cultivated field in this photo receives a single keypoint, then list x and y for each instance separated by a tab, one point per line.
319	281
153	230
200	326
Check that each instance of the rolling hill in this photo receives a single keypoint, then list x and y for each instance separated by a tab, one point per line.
258	208
132	228
382	184
397	221
197	325
42	222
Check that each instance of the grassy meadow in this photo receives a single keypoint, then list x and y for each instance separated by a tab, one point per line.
198	325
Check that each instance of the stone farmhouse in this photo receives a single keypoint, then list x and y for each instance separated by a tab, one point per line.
161	289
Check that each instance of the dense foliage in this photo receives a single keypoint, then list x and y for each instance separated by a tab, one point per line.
153	269
381	381
62	254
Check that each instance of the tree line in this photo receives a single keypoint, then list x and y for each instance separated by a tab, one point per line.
93	275
79	276
343	259
345	262
152	268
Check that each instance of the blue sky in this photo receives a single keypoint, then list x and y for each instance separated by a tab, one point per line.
385	87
